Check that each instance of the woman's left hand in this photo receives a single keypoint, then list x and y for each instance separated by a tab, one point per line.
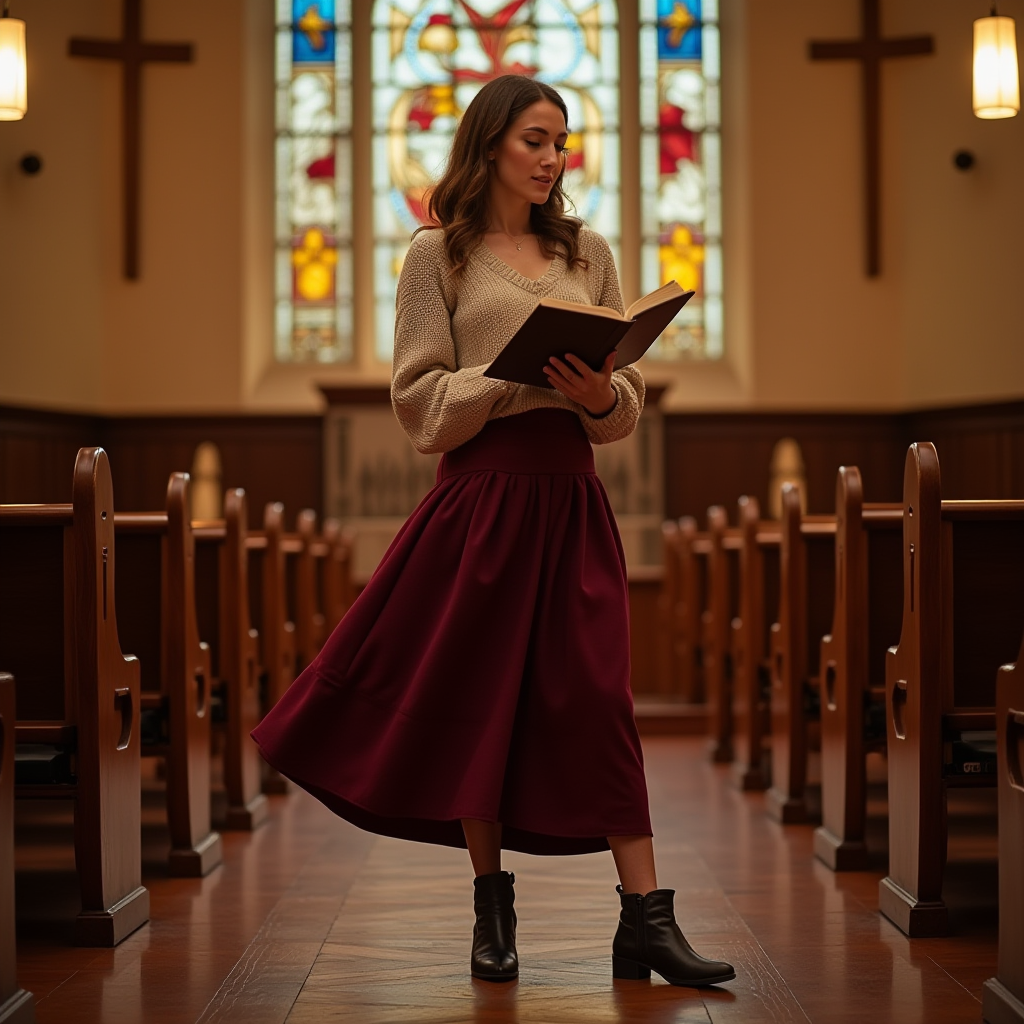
590	388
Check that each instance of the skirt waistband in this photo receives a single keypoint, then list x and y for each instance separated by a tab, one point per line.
538	441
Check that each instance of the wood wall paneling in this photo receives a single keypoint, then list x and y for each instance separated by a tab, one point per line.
274	458
713	458
710	458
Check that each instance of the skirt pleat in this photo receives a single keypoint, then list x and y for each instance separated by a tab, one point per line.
484	670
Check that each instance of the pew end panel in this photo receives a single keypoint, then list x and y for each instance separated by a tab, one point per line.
716	623
79	696
911	894
865	623
939	680
157	615
107	686
188	681
692	587
839	841
806	593
339	590
752	770
1003	995
668	669
16	1005
223	579
268	592
310	616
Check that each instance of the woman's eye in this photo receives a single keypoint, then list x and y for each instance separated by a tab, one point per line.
534	144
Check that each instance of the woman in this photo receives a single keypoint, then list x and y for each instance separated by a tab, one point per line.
477	693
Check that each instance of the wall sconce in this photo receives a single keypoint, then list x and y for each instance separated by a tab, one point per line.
996	82
13	77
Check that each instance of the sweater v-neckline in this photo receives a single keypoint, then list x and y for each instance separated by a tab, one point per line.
531	284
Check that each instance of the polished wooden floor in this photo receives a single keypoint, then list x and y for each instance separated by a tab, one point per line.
310	920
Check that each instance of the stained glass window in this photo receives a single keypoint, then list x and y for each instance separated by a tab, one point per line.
313	273
680	168
430	57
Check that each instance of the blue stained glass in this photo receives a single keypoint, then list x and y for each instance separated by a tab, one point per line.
679	29
313	32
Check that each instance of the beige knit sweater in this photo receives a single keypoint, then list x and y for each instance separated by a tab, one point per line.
448	332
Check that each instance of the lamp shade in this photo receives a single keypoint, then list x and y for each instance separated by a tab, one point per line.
13	79
996	82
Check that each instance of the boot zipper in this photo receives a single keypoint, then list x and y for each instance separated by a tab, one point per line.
641	931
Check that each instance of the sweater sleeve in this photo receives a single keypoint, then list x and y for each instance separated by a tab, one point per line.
627	383
438	404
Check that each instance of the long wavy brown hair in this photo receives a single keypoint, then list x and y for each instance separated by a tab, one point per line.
458	203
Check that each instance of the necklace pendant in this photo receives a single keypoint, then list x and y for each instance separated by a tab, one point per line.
519	248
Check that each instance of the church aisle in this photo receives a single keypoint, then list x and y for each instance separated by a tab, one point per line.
310	920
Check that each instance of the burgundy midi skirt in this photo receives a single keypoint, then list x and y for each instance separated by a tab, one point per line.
484	670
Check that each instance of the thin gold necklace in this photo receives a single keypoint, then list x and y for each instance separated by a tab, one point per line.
519	244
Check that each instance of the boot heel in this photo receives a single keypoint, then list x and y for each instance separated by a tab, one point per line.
629	970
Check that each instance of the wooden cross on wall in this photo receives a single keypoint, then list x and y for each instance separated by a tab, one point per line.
133	53
871	49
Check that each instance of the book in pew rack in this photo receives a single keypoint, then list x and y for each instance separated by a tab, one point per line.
556	327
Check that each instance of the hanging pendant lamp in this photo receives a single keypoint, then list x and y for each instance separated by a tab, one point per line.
13	77
996	79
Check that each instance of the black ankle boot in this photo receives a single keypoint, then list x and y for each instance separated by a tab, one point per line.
648	938
494	934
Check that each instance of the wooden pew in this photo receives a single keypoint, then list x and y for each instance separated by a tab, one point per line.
78	695
268	604
310	606
758	609
16	1005
963	605
865	623
694	547
1003	996
156	617
806	591
269	551
721	607
670	668
339	589
222	601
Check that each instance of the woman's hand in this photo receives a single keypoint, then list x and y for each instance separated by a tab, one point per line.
590	388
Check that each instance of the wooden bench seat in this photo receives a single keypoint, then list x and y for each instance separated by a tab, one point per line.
16	1005
865	624
222	603
156	616
963	607
757	611
76	690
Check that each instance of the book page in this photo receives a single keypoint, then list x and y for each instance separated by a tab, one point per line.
655	298
581	307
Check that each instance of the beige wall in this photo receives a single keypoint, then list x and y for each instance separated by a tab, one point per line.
943	324
73	332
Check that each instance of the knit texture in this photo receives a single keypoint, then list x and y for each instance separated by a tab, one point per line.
447	332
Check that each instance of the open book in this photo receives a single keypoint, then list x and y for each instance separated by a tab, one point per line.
589	332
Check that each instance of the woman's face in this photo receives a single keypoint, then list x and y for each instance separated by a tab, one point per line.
528	158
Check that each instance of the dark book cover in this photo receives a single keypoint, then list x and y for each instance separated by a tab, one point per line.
555	331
